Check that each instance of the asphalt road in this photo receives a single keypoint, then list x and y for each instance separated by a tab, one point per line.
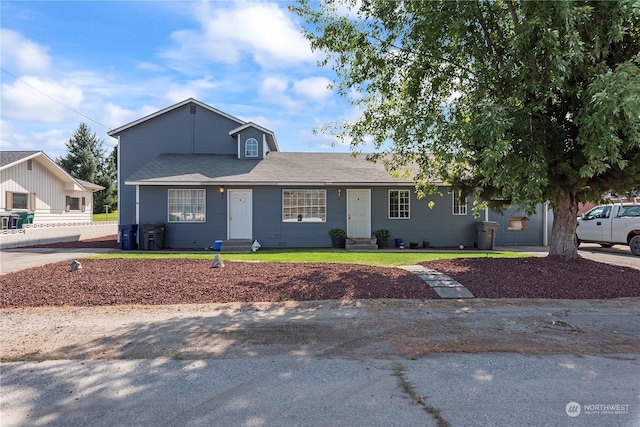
489	389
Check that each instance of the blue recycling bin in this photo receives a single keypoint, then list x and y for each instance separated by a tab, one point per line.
217	245
128	234
399	243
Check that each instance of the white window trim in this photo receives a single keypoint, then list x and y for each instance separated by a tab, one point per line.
246	148
399	210
303	219
462	208
194	219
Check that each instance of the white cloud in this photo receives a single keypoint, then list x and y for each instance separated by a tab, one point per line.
25	99
150	66
22	56
263	31
315	88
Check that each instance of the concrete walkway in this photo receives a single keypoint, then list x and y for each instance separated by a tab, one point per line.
445	286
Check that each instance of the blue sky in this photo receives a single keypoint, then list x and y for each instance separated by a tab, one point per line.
117	61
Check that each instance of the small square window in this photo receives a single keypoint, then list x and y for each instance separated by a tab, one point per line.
20	201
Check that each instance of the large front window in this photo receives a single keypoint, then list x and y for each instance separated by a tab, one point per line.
187	205
399	204
304	205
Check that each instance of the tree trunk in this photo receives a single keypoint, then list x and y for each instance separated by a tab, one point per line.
563	233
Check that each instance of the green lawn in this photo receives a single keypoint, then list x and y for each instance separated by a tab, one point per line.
112	216
381	258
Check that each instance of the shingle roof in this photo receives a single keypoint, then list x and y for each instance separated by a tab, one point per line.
9	157
276	169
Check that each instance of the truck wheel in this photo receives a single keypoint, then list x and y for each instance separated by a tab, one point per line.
634	245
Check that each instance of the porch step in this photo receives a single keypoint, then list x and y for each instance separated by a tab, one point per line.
236	245
360	244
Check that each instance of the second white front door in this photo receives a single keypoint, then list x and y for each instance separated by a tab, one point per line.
359	213
240	219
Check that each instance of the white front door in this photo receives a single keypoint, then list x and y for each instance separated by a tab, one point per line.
359	213
240	221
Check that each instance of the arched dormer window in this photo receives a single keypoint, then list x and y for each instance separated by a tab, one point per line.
251	148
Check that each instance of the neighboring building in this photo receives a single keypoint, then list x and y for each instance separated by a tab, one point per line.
33	183
209	176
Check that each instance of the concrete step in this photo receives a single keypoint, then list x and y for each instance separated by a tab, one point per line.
236	246
361	244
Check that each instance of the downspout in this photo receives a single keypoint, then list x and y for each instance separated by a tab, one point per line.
135	221
545	224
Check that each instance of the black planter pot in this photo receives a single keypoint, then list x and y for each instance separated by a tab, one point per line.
383	242
338	242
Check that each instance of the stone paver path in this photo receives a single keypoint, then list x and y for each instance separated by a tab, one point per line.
445	286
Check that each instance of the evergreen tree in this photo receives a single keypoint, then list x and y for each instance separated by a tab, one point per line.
86	160
84	155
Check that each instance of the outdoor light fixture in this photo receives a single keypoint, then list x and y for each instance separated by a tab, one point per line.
339	192
221	191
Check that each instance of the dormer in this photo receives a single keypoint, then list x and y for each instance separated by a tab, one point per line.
254	142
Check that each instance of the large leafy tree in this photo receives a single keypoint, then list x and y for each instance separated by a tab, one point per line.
86	160
514	102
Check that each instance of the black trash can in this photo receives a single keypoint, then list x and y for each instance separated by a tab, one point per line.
153	235
486	234
15	221
128	234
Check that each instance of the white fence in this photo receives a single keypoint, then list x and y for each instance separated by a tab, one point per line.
39	234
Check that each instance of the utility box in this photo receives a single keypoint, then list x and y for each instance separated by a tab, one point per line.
128	237
518	223
153	235
486	234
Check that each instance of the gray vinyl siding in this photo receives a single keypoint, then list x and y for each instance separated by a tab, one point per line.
198	235
272	232
436	225
530	237
255	134
176	131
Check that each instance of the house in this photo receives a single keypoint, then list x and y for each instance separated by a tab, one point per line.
34	184
208	176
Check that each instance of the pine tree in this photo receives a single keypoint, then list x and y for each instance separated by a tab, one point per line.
84	155
86	160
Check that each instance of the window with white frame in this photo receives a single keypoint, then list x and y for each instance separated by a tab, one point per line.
459	203
304	205
187	205
251	148
399	204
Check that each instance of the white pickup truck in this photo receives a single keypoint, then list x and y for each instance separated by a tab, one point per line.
609	225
